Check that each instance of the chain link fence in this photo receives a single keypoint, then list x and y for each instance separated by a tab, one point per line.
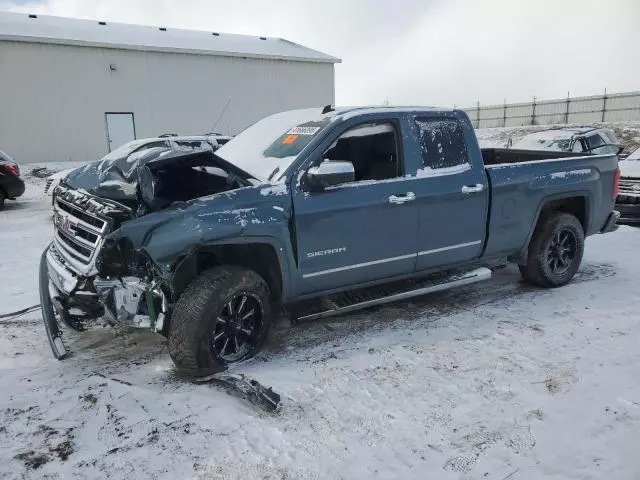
615	107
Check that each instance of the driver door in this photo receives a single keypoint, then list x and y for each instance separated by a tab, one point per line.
360	231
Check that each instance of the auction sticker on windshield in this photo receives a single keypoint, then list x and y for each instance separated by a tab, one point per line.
300	130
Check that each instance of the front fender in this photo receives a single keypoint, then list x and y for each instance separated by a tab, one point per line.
188	265
170	238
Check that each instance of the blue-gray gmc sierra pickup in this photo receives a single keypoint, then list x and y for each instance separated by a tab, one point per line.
317	211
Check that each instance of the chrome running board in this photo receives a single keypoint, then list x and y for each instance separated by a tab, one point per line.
345	303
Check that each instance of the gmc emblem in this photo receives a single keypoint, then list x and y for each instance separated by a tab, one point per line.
63	223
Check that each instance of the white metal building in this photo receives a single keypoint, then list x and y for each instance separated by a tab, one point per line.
71	90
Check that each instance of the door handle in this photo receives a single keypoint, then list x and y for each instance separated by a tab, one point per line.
478	187
400	199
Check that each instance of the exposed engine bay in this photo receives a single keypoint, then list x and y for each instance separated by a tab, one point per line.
90	274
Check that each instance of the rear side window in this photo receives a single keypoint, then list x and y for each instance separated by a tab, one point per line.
442	142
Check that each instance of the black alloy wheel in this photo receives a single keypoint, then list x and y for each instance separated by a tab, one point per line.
237	327
561	251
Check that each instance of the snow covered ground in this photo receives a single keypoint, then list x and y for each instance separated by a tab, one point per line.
497	380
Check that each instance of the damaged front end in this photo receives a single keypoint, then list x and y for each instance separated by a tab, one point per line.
129	289
87	273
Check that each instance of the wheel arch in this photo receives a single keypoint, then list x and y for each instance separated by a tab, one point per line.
266	256
578	204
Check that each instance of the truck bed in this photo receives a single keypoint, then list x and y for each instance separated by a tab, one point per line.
521	186
496	156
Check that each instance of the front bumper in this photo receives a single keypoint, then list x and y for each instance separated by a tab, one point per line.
63	278
127	301
47	292
629	213
60	294
13	186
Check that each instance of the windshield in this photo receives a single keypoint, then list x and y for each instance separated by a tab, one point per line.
630	166
124	150
270	146
610	136
635	155
5	156
549	140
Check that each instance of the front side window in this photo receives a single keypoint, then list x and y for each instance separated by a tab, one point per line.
577	146
594	141
442	143
372	148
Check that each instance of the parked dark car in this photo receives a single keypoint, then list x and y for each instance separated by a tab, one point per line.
320	211
11	185
628	201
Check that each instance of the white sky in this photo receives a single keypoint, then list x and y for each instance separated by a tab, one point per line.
426	52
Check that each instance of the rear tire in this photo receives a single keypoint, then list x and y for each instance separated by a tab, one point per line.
222	317
555	251
2	197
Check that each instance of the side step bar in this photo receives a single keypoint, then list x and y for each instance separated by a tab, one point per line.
349	302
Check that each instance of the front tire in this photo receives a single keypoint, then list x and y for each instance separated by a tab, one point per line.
222	317
555	251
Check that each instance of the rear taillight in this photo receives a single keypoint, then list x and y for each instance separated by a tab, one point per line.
13	168
616	183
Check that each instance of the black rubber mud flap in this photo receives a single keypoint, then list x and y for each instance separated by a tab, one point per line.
48	314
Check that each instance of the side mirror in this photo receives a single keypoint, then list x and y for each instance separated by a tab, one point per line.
330	173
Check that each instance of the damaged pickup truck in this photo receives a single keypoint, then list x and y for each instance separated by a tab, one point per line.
318	212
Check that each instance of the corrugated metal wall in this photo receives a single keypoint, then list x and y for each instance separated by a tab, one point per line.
53	98
615	107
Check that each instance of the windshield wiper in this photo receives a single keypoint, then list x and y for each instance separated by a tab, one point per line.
273	174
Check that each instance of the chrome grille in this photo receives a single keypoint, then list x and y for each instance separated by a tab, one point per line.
630	185
78	233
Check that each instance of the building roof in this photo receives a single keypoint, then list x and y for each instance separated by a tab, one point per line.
22	27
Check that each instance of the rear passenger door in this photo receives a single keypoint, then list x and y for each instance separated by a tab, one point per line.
453	194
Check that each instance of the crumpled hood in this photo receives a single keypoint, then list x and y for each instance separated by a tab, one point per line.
118	179
113	179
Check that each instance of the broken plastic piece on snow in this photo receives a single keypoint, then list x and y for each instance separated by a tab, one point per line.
247	388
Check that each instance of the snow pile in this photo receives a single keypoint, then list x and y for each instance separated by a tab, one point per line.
496	380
